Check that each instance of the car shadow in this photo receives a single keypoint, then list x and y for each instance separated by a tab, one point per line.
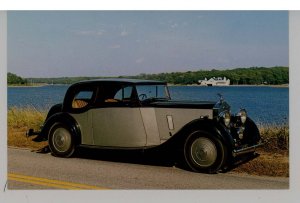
155	157
240	161
144	157
136	156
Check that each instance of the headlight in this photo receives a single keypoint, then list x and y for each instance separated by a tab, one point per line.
243	115
226	118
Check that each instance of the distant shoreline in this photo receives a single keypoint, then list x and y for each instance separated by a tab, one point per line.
279	86
36	85
282	85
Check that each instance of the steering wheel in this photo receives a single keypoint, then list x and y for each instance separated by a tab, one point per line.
142	96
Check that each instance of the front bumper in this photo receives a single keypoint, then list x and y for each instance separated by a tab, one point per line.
246	150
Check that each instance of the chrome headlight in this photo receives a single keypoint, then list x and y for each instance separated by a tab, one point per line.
243	115
226	118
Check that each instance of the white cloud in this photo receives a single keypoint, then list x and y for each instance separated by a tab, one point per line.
124	33
174	25
99	33
140	60
115	46
84	32
89	33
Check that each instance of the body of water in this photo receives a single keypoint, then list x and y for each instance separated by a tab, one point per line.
265	105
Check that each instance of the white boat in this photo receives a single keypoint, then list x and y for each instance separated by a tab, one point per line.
215	81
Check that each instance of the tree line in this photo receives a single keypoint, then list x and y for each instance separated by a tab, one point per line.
13	79
239	76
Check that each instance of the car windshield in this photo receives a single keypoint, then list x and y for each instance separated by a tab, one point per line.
152	92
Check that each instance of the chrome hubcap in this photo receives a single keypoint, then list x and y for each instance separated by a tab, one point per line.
61	139
204	152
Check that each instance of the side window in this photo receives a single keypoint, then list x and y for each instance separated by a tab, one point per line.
124	94
82	99
127	93
117	95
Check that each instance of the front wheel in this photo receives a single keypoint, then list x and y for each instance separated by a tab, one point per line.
204	152
61	140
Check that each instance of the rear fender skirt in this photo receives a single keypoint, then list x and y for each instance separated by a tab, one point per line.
66	119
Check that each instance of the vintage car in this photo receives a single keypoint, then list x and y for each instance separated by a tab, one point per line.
140	114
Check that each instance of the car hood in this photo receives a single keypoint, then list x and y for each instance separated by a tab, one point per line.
184	104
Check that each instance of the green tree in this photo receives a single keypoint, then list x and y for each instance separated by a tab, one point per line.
13	79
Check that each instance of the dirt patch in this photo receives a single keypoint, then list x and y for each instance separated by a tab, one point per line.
17	138
266	164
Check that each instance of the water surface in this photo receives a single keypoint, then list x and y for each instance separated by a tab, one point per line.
264	104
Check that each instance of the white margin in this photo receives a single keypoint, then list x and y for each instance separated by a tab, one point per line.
162	195
294	96
150	5
3	100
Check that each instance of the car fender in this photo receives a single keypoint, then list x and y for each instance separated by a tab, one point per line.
211	126
54	109
66	119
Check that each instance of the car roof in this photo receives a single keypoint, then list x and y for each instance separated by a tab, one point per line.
123	81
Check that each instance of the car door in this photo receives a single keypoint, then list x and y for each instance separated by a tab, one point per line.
79	102
116	122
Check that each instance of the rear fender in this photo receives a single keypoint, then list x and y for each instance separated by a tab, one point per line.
53	110
66	119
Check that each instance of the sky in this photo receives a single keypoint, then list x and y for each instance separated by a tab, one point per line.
115	43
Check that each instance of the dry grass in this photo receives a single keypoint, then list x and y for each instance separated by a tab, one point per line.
273	159
267	164
274	155
19	121
276	137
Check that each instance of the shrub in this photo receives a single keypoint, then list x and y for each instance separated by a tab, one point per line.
19	120
276	138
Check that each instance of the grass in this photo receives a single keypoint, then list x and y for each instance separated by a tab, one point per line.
277	138
273	159
19	120
274	155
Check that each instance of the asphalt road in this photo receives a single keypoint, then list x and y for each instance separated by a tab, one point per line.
89	170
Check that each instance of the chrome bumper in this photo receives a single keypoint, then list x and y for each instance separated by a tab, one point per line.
246	150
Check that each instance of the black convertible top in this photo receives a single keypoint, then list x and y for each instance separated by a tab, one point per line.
123	81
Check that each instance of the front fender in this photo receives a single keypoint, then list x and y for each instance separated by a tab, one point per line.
205	124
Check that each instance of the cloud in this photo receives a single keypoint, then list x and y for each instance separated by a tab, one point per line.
174	25
89	33
84	32
99	33
115	46
139	60
124	33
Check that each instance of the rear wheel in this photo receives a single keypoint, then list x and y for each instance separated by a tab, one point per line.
61	140
204	152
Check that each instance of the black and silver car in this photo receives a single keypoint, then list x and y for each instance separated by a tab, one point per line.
140	114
